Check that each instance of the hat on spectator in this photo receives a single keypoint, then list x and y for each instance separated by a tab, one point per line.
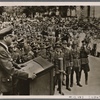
42	46
20	40
64	42
6	31
57	45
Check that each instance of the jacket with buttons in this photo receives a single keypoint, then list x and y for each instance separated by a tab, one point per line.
56	61
67	58
76	57
7	71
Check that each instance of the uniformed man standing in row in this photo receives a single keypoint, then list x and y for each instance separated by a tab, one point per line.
57	55
76	64
7	70
84	52
67	62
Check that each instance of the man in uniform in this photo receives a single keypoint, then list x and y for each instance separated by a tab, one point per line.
58	54
67	63
76	64
43	51
7	70
84	61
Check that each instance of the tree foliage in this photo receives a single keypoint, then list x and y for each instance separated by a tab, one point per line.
31	10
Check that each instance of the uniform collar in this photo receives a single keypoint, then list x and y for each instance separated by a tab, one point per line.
4	45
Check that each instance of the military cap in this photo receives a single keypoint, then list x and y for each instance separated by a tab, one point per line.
57	46
48	47
20	40
6	31
75	27
64	42
46	40
42	46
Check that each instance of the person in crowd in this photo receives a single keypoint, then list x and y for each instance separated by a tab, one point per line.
43	51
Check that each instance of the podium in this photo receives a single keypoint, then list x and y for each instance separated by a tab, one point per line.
43	83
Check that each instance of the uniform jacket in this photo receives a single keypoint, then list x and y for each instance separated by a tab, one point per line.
67	58
84	55
56	61
76	57
7	70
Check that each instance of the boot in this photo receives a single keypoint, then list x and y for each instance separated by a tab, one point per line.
79	84
68	88
61	93
86	83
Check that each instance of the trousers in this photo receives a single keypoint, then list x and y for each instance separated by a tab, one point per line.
76	69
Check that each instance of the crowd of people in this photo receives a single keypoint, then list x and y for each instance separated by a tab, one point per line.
52	38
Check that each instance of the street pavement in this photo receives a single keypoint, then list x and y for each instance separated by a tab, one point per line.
93	87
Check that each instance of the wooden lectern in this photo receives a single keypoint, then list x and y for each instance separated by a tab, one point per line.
43	83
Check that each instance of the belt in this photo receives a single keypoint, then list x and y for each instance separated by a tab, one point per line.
76	58
68	59
4	79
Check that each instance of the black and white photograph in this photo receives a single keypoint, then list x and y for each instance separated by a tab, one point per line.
50	50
